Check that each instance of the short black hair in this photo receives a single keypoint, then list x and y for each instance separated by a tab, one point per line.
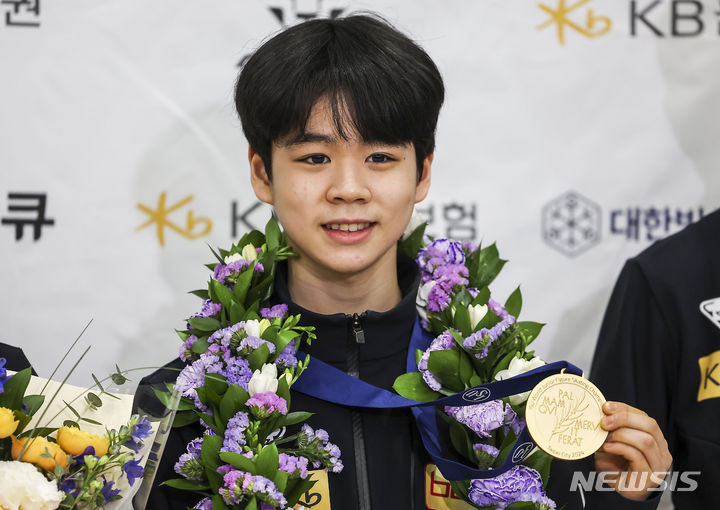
375	78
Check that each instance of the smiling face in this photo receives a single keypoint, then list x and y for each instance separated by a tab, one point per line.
343	204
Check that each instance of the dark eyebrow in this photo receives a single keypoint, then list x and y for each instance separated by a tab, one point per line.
308	137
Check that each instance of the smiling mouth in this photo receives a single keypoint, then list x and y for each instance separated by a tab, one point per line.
348	227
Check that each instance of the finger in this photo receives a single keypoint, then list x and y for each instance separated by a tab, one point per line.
645	443
611	407
623	415
635	457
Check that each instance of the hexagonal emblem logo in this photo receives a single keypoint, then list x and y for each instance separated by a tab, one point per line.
571	223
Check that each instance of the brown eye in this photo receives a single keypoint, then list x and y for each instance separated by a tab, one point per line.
316	159
379	158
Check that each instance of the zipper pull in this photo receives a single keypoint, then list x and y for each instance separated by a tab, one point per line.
357	329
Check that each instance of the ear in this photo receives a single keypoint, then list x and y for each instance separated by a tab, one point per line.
423	185
262	186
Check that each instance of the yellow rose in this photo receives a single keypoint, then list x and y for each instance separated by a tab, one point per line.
8	423
37	447
74	441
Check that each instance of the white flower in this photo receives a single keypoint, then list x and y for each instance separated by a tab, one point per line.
22	486
477	313
252	328
265	380
233	258
519	366
249	252
422	298
415	221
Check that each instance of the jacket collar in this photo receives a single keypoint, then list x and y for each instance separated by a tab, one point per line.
386	333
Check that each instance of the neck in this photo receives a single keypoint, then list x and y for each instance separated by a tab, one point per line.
375	288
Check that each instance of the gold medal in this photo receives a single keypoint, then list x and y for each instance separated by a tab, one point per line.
563	416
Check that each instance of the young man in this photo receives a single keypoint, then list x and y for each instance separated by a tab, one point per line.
340	117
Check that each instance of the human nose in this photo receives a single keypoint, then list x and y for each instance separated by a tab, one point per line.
348	184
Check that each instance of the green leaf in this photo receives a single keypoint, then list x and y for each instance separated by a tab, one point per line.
88	420
295	417
216	384
165	397
232	401
239	461
281	480
513	305
185	484
70	423
413	386
14	390
296	488
243	284
204	323
237	312
462	320
41	431
273	235
201	293
118	377
210	459
252	504
93	399
283	390
445	366
530	330
460	439
258	357
183	418
466	368
218	503
33	403
411	245
521	505
200	346
267	462
97	383
77	415
222	293
503	364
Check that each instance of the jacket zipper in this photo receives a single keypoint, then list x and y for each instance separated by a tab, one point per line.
353	366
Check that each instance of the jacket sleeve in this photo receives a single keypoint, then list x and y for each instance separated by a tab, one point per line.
637	350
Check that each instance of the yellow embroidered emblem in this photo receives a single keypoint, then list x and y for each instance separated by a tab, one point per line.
317	498
438	493
709	376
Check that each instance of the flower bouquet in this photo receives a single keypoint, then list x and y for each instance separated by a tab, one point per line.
61	465
477	340
241	363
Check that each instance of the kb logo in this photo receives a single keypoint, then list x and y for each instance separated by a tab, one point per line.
476	395
522	452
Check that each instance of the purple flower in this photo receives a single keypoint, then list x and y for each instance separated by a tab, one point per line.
133	470
249	344
287	358
440	252
228	273
235	433
487	448
3	375
519	483
267	404
442	342
139	430
294	465
189	464
275	312
479	342
483	418
107	491
239	486
185	352
315	445
204	504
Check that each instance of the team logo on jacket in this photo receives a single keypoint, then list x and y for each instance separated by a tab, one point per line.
711	310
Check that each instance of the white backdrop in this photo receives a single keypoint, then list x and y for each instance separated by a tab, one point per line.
107	105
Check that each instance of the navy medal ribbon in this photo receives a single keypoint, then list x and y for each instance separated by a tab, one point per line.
328	383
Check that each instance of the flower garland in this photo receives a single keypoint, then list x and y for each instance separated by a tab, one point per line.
241	360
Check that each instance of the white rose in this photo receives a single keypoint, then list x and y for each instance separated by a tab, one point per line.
265	380
422	298
233	258
519	366
249	252
22	486
477	313
415	221
252	328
